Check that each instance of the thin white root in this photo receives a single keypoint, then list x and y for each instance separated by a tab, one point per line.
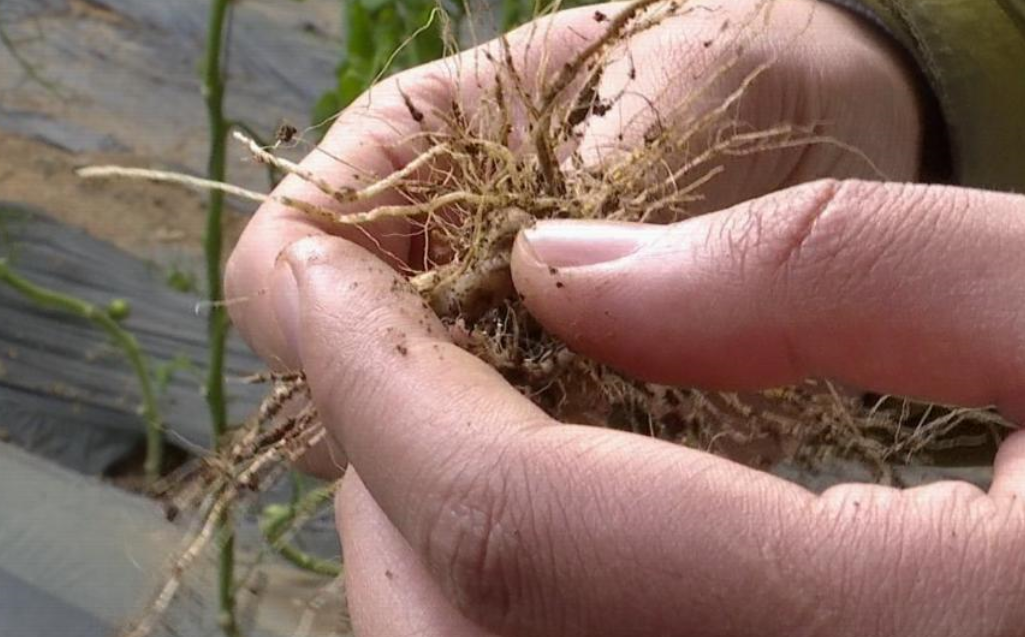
342	195
198	183
163	176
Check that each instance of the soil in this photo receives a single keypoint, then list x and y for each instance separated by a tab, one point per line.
152	221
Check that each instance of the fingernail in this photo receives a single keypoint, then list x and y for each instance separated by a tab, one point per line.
568	244
285	302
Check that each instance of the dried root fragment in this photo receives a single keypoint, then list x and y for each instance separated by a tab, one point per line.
284	427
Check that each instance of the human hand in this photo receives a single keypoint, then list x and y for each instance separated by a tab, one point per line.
470	502
448	484
826	67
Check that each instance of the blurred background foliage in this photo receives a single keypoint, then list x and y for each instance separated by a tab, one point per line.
387	36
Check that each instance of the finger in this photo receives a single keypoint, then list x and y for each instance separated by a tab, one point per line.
535	529
905	289
1009	469
530	528
363	142
368	140
389	592
803	64
377	135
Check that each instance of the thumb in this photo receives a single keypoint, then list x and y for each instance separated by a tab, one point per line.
897	288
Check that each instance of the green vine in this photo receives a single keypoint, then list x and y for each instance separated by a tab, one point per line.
278	520
106	319
217	326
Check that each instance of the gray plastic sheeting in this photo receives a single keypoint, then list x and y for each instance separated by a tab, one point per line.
79	558
127	72
65	391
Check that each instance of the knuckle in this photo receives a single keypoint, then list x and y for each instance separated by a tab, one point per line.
393	102
832	232
780	233
473	539
867	551
801	237
838	232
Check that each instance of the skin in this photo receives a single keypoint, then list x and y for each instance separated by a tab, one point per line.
467	511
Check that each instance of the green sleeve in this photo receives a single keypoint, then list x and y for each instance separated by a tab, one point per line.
972	53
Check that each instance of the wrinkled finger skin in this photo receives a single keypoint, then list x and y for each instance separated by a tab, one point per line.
801	284
492	520
534	529
388	590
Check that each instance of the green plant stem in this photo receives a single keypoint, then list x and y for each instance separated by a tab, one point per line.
216	168
213	93
278	520
307	562
122	338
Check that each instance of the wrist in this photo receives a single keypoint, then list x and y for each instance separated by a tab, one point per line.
934	164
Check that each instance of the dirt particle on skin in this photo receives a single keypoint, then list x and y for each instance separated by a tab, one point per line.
414	112
653	133
560	284
553	271
402	349
389	574
600	17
